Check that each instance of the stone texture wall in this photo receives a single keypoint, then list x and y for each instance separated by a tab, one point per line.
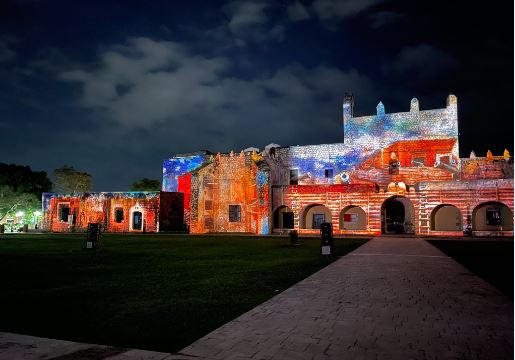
230	180
101	208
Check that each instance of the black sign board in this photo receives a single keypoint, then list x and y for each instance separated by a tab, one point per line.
327	241
93	236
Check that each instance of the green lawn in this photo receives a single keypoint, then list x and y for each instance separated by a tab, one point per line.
158	292
492	260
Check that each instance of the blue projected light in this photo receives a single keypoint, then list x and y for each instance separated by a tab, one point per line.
173	168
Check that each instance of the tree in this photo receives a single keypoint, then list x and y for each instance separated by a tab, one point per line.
22	179
67	180
20	190
146	185
12	201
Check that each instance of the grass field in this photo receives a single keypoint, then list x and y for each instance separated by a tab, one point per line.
492	260
158	292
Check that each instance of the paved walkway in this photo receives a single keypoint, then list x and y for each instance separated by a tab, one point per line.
392	298
23	347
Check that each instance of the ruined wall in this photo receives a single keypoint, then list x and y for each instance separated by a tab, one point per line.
171	211
495	167
102	208
412	156
230	195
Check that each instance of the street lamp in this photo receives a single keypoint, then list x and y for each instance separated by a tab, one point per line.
37	214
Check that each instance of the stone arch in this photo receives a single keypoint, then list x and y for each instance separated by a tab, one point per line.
397	216
283	218
353	217
313	215
492	215
446	217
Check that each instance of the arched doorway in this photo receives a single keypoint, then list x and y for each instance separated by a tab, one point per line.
314	215
492	215
446	217
136	218
397	216
283	218
353	218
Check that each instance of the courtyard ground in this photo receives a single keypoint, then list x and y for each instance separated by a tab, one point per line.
392	298
158	292
492	260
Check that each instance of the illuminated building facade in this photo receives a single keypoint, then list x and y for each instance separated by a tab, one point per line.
136	212
394	173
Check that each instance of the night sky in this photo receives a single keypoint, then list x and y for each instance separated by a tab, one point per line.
114	88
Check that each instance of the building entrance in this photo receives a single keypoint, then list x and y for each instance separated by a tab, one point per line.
397	216
137	222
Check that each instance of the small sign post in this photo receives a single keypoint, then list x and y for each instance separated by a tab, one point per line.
327	241
93	236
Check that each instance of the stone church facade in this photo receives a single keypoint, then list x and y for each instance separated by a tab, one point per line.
393	173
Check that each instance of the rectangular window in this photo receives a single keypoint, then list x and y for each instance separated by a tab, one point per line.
318	219
234	213
294	176
118	215
328	173
419	161
64	211
493	217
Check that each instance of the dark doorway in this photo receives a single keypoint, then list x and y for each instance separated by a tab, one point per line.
287	220
393	216
137	220
283	218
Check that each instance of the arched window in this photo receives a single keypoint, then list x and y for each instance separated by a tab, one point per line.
314	215
492	215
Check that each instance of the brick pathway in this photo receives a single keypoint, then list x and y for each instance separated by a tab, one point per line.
393	298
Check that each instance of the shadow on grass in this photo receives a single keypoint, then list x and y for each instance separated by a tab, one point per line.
491	260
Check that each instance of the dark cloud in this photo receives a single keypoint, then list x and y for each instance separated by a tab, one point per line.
297	12
336	9
245	14
6	53
422	62
386	18
168	86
